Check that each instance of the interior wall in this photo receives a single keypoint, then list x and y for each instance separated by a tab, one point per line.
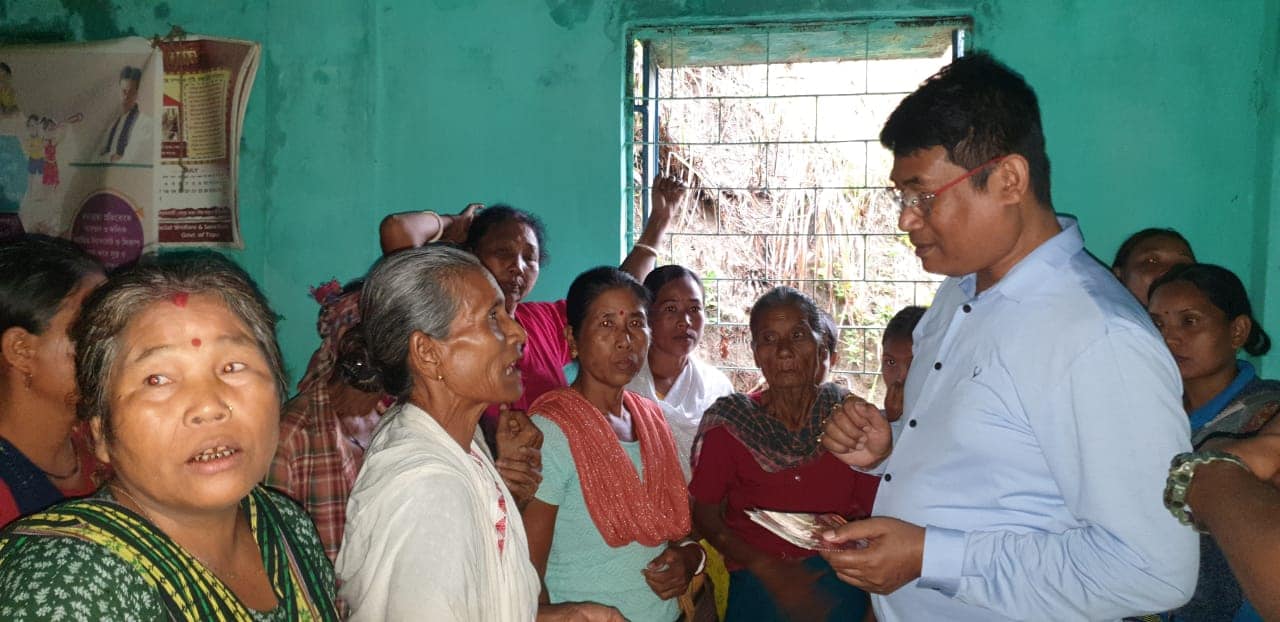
1155	114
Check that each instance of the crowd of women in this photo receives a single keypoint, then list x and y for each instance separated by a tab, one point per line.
437	463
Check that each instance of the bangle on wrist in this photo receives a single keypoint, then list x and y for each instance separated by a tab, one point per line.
439	226
1181	472
645	247
702	564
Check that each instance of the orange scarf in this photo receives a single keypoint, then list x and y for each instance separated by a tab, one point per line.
623	508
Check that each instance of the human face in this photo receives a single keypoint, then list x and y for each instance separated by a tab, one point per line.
786	348
1149	260
194	409
128	94
510	252
676	317
53	373
480	357
1199	335
614	338
966	230
895	359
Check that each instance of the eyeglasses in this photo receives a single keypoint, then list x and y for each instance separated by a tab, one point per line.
925	201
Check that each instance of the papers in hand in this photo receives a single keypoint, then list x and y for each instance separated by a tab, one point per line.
803	529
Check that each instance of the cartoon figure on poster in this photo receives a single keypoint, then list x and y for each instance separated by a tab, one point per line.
8	99
129	138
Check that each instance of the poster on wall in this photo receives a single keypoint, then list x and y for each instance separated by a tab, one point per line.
77	146
206	86
94	148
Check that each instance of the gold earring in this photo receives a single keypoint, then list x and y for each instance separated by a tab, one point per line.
439	377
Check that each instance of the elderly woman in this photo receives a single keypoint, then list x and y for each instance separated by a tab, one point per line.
511	243
610	521
1204	314
181	383
762	451
672	374
432	530
44	457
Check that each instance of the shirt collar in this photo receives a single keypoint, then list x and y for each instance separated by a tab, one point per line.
1203	415
1037	266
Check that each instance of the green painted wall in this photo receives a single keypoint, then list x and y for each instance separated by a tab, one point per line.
1156	113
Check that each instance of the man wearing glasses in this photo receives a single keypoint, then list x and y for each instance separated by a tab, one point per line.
1042	408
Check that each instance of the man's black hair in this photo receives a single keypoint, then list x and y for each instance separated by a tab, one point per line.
977	109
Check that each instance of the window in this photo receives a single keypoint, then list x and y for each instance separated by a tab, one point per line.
776	129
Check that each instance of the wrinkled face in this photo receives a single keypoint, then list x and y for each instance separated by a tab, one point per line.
614	338
966	229
786	347
1199	335
510	252
895	359
194	410
676	317
53	374
1149	260
481	355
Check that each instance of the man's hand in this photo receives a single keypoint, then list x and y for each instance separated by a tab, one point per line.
1261	452
857	433
892	557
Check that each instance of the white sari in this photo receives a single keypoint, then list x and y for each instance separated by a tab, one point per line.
424	528
697	387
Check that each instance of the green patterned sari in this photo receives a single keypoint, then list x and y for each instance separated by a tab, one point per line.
93	558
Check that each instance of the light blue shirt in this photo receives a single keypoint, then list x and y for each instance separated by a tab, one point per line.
1041	418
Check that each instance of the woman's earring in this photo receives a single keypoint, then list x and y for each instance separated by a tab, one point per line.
26	381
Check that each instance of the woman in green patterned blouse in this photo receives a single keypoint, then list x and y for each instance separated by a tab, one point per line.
181	383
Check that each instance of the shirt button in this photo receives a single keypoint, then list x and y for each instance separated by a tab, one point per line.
797	478
888	477
937	365
912	423
967	308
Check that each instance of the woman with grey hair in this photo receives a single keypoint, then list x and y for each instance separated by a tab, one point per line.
762	450
432	531
181	382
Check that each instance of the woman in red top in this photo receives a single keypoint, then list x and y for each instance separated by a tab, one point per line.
43	460
762	451
510	244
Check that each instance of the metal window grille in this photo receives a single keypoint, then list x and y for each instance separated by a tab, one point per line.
775	128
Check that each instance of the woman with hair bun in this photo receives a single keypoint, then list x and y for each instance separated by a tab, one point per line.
1205	316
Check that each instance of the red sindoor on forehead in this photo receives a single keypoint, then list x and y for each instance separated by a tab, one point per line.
196	342
180	298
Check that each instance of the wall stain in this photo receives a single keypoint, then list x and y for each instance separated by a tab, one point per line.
569	14
320	77
55	30
274	134
98	19
162	10
556	75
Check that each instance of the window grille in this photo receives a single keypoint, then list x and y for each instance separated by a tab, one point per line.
776	129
